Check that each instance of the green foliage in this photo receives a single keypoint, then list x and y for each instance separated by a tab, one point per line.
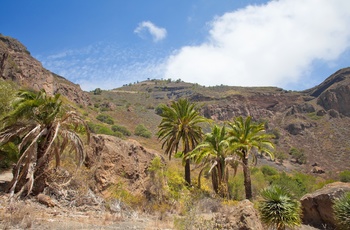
236	187
344	176
105	118
101	129
121	129
281	156
97	91
142	131
298	155
8	154
7	94
341	209
158	110
278	209
268	170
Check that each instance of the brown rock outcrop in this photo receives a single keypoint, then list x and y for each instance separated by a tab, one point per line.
317	206
18	65
117	161
241	217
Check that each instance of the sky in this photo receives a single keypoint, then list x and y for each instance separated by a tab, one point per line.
291	44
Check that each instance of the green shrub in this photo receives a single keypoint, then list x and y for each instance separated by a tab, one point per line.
344	176
298	155
341	209
105	119
278	209
97	91
101	129
268	170
121	129
142	131
159	109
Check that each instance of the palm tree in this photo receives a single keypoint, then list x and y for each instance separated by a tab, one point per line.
244	138
278	209
180	125
43	131
213	152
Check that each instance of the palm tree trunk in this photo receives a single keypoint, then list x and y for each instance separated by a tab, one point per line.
247	180
188	172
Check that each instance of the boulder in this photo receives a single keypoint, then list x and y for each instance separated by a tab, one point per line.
241	217
119	162
317	206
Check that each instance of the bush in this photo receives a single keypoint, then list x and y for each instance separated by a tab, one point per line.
142	131
101	129
341	209
278	209
105	119
159	109
268	170
298	155
344	176
121	129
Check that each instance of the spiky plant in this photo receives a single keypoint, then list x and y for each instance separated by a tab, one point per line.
278	209
341	209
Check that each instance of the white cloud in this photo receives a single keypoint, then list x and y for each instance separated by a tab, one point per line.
271	44
157	33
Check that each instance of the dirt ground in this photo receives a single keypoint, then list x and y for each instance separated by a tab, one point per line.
30	214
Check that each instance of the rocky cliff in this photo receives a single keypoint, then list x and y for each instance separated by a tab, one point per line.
18	65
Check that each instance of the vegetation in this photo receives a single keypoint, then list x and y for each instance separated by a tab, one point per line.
105	119
341	209
244	137
42	131
142	131
121	129
181	125
298	155
278	209
102	129
213	152
345	176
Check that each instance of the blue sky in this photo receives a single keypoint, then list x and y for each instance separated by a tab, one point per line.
292	44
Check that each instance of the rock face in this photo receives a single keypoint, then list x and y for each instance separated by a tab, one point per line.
242	217
317	206
334	92
18	65
116	161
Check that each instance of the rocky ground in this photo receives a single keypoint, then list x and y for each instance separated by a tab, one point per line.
32	213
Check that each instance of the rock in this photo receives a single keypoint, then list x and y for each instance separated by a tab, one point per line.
317	206
241	217
317	169
118	161
46	200
16	64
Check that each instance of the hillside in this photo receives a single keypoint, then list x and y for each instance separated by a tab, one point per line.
314	121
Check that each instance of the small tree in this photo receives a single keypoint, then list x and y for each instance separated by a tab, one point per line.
341	209
278	209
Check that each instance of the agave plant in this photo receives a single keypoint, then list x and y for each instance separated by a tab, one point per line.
278	209
341	209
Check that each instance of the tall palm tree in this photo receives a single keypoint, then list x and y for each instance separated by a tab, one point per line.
213	152
246	137
44	131
180	126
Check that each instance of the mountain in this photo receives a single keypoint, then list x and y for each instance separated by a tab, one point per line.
18	65
311	126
